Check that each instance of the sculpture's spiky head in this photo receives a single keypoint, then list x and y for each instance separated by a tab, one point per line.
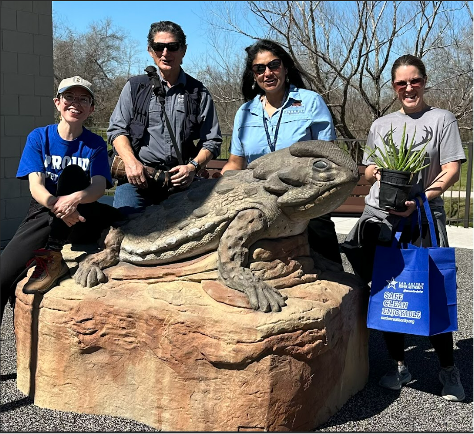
310	178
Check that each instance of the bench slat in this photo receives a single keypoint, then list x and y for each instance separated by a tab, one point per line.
361	190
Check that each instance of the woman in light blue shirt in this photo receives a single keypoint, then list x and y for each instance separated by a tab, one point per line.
278	112
304	116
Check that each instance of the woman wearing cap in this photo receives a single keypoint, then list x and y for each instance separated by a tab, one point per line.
67	169
278	112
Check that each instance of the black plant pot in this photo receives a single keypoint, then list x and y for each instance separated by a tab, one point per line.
394	189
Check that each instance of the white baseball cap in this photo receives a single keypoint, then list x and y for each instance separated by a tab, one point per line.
75	81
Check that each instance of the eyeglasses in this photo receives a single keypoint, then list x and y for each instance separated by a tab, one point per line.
160	46
260	68
415	83
82	100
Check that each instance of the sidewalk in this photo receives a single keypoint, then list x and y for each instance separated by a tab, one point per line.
458	236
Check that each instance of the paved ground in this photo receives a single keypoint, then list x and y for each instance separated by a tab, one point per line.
417	408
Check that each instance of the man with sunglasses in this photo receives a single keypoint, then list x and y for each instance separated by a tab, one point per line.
67	168
163	132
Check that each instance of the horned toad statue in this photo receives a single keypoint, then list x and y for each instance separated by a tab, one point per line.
274	197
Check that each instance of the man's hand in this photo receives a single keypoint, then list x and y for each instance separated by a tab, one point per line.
136	174
183	175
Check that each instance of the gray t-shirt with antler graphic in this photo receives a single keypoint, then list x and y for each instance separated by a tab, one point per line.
435	126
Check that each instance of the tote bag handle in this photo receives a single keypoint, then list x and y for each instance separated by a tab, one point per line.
429	217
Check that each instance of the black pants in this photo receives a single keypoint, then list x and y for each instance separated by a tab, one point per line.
442	343
322	238
39	225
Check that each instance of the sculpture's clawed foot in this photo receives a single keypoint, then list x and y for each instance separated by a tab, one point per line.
265	298
89	275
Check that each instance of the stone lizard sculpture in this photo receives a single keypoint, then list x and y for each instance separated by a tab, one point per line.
274	197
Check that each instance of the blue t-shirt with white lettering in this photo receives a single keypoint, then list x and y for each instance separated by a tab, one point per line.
46	152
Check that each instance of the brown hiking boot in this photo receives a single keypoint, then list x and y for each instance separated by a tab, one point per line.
50	268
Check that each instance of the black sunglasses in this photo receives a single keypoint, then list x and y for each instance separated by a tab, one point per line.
259	68
160	46
416	82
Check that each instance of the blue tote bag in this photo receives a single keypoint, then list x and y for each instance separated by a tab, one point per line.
414	288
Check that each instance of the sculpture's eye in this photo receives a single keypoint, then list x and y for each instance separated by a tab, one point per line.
320	165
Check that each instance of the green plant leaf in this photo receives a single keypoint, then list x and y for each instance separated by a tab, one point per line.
394	150
385	155
400	157
407	150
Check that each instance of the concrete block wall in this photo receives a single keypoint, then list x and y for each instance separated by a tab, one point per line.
27	88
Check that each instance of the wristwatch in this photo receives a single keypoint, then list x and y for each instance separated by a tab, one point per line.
196	165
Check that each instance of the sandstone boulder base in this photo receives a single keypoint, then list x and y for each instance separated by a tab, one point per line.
164	352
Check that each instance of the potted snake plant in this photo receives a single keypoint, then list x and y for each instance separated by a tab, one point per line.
397	166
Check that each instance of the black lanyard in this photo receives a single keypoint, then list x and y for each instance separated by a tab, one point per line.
275	137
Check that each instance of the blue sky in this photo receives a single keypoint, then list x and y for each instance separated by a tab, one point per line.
135	17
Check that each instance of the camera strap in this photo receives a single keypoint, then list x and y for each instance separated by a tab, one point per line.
173	138
159	91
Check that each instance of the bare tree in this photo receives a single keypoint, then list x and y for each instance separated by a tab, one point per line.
102	54
221	75
347	48
450	82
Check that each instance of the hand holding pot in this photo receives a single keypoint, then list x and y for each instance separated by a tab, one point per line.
411	206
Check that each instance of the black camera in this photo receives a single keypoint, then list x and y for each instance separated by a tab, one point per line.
159	178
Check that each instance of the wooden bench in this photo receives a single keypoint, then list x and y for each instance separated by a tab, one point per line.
214	167
354	204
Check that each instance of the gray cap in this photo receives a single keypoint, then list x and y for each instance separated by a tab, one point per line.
75	81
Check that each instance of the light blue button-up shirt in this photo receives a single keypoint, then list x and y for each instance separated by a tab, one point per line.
305	117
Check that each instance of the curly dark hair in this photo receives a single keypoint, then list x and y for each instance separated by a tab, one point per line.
408	60
168	27
295	76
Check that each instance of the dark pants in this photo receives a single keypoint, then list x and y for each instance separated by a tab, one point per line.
40	225
442	343
322	238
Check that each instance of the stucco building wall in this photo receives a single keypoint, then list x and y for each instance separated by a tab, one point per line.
27	87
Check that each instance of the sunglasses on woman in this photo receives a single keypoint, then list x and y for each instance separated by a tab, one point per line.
160	46
402	84
260	68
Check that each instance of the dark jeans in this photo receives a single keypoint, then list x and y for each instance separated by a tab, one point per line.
322	238
39	225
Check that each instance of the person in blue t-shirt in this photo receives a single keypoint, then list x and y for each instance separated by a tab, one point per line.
68	170
278	112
